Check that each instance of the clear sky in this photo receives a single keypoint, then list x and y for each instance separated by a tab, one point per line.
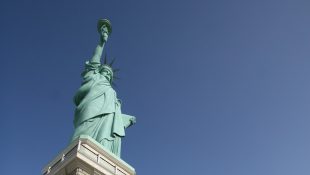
218	87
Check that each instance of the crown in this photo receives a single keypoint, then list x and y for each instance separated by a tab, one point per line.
108	66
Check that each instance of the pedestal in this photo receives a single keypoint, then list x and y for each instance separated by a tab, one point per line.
85	156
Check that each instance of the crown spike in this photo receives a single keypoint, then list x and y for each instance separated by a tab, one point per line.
105	59
112	62
116	70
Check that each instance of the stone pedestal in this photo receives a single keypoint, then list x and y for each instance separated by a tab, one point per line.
85	156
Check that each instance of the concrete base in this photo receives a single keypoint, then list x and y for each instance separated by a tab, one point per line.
85	156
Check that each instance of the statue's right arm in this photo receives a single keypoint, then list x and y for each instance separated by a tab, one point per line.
97	53
93	64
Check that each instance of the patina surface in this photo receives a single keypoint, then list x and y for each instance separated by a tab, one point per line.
98	110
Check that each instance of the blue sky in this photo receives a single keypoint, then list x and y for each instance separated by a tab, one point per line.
217	86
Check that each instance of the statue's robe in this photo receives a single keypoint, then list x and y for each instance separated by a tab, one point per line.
98	111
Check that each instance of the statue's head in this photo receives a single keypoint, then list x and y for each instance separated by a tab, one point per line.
107	72
104	28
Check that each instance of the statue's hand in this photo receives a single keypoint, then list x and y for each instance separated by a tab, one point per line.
104	37
104	34
133	120
104	28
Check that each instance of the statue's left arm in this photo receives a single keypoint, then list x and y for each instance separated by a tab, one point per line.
128	120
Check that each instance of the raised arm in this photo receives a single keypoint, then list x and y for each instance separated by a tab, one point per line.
97	53
104	34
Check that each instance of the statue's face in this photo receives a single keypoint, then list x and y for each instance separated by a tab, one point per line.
104	32
107	74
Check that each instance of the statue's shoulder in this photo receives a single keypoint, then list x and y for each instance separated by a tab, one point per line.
90	69
92	65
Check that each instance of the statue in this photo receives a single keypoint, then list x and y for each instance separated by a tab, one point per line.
98	111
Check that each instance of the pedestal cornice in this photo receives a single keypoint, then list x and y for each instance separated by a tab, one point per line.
87	156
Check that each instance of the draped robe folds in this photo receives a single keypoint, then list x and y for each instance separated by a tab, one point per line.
98	111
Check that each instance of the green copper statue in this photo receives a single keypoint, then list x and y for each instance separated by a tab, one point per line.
98	111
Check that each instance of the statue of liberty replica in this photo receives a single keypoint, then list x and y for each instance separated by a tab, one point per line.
98	110
99	123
